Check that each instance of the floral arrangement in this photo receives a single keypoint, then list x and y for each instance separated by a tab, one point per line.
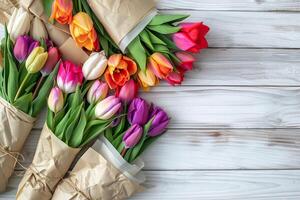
28	67
163	50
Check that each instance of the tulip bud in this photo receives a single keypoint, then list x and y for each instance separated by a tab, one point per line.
95	66
186	60
36	60
38	30
56	100
160	121
107	108
69	76
132	136
19	23
23	47
97	92
160	65
147	79
138	112
53	58
175	78
128	91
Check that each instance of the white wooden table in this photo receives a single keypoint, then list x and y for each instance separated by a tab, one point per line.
235	121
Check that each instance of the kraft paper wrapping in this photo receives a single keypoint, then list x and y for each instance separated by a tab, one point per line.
15	126
58	33
6	9
120	17
94	177
51	161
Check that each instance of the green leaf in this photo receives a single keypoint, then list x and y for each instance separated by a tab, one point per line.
161	48
62	125
12	84
167	18
50	120
23	103
168	41
78	134
120	128
154	39
127	155
58	116
146	39
138	52
104	45
117	141
94	132
73	120
47	4
108	134
164	29
41	100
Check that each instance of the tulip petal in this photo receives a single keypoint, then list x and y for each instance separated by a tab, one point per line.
183	41
131	65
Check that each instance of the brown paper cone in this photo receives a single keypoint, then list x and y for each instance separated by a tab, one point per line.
15	126
95	178
51	161
6	9
58	33
119	17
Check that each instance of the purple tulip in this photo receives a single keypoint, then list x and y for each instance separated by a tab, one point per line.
23	47
132	136
159	123
138	112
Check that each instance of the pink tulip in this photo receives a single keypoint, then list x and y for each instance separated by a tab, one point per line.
191	37
97	92
53	58
175	78
69	76
186	60
56	100
128	92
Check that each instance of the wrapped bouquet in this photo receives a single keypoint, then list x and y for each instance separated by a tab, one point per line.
79	110
26	78
113	159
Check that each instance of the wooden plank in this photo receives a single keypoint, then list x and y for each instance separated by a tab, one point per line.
249	29
211	185
226	107
245	5
215	149
250	67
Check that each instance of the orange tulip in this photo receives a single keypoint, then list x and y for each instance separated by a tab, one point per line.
62	11
160	65
83	32
119	70
147	79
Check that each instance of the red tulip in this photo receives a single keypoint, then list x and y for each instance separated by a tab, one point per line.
186	60
175	78
191	37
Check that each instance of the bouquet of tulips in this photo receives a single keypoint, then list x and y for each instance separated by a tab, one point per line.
113	159
78	111
26	78
159	43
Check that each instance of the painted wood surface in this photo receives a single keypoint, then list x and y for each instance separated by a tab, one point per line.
235	122
212	185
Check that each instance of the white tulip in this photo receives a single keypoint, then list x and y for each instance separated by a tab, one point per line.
95	66
38	30
19	23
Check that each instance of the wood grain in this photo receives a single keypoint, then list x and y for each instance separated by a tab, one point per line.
212	185
214	149
249	29
226	107
230	5
245	67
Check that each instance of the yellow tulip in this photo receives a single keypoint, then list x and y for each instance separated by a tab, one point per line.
147	79
36	60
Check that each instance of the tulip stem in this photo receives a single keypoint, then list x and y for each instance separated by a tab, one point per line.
38	87
124	151
22	86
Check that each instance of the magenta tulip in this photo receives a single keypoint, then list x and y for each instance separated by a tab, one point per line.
160	121
191	37
53	58
138	112
69	76
132	136
23	47
128	91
